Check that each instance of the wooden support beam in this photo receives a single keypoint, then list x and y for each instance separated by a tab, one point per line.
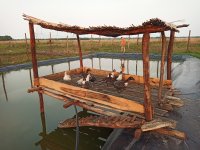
68	104
34	89
97	97
80	51
162	67
169	55
147	90
157	124
104	121
172	132
34	63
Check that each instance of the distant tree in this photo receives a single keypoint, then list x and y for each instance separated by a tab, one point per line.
5	38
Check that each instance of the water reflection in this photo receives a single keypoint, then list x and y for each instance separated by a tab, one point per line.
30	75
19	115
91	138
4	87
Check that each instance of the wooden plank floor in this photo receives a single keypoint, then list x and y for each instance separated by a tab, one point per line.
134	91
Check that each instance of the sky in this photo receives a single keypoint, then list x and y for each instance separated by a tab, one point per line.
122	13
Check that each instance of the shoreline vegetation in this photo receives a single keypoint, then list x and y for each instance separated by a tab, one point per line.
18	51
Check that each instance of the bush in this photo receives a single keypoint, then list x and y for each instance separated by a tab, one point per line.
5	38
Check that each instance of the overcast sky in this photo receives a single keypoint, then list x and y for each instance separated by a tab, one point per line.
85	13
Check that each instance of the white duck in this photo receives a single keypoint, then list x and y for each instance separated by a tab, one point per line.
66	77
119	78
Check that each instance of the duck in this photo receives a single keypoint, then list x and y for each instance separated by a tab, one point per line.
84	74
112	73
108	79
92	78
119	78
86	84
82	80
121	85
66	77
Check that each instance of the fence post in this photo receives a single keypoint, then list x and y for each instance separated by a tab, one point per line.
188	43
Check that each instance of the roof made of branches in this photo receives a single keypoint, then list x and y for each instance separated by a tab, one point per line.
152	26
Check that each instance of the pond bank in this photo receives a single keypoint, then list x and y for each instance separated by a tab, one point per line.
96	55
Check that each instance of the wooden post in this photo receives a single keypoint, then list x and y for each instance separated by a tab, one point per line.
52	69
188	43
138	39
92	62
162	67
50	38
112	65
169	55
99	63
128	41
147	90
80	52
34	63
69	67
157	68
67	44
99	41
91	41
136	67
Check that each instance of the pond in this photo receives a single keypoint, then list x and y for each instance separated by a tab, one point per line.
23	127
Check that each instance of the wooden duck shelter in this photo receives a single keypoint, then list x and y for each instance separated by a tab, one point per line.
142	105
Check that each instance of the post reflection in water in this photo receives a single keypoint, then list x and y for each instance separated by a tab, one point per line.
91	138
4	87
30	75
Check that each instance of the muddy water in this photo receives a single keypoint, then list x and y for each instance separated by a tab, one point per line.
22	126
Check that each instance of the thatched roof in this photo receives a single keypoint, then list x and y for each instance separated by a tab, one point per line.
151	26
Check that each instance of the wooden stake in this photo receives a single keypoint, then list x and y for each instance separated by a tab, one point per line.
80	52
136	66
100	63
162	67
67	43
188	43
169	55
50	38
34	63
138	39
92	62
147	90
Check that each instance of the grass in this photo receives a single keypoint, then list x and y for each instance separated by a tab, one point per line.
15	52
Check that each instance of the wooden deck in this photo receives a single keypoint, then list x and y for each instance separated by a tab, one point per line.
124	109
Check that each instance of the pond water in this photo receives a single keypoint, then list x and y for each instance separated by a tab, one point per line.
23	127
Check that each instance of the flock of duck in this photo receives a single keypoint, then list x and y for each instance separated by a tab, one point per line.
87	80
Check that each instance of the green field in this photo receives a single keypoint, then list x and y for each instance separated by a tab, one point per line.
17	51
